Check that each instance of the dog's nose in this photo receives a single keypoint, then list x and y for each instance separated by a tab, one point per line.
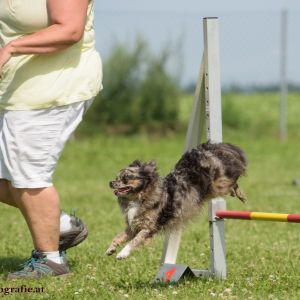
111	184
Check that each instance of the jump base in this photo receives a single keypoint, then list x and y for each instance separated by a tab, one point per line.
171	273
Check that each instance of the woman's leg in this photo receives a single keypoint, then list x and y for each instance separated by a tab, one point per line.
40	208
28	142
5	193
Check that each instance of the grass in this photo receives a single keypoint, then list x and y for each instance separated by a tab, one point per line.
263	258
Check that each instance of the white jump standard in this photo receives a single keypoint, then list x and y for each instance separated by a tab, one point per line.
206	111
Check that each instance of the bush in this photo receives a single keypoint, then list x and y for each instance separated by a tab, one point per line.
138	91
159	94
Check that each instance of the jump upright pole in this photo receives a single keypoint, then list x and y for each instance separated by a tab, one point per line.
205	124
258	216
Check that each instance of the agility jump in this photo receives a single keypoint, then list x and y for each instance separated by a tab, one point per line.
207	114
206	117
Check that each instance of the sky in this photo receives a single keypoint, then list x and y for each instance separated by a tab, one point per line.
196	5
249	34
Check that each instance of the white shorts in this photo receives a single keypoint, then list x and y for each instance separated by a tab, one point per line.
32	141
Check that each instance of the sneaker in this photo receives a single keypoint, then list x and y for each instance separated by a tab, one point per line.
39	266
76	235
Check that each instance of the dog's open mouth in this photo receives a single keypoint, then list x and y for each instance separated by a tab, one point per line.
122	191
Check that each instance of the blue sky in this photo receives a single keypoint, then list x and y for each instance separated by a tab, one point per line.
249	34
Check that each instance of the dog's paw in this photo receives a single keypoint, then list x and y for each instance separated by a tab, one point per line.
110	251
122	255
125	252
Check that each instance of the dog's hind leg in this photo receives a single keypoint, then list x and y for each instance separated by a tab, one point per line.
118	240
140	239
237	192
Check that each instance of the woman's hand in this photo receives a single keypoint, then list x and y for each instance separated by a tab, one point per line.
5	55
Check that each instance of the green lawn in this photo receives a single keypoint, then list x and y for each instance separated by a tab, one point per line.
263	258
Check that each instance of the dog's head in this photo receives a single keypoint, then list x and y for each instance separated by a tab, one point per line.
134	179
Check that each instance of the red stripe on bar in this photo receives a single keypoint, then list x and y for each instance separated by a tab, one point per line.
295	218
232	214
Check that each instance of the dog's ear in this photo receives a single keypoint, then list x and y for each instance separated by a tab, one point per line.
149	167
135	163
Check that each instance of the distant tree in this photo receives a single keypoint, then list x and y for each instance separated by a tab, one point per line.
139	92
159	93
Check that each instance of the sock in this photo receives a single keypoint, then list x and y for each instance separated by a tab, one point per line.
54	256
65	222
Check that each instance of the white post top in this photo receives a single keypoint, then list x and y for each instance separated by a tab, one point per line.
212	80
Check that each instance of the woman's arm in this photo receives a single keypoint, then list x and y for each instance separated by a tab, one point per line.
67	19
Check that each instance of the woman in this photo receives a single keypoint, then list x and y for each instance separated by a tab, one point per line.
50	72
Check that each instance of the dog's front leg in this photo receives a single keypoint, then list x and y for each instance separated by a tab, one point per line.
118	240
140	239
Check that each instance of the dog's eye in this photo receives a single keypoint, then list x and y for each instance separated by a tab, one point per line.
124	180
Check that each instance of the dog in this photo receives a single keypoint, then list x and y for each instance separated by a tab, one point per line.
151	204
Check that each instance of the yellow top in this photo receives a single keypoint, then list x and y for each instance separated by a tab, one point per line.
42	81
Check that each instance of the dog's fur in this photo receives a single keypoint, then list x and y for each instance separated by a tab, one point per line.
151	203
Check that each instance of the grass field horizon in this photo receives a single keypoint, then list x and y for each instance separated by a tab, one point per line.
263	258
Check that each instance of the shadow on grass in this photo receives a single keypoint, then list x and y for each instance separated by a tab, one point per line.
8	264
140	285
